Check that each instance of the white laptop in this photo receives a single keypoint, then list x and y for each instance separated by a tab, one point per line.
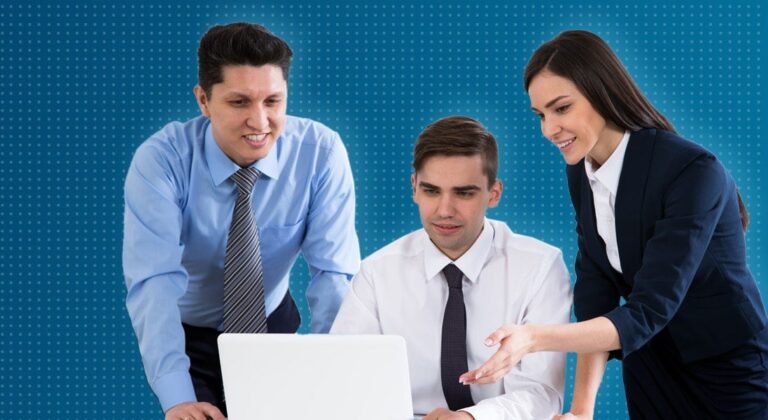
316	376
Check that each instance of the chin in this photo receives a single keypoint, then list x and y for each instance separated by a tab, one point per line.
573	159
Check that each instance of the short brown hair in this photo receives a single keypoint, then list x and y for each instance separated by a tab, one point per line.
458	136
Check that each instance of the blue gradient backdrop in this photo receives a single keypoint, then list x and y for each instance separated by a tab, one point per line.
83	84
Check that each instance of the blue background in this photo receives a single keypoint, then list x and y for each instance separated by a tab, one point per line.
82	85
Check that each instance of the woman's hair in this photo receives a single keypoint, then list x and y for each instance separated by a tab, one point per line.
586	60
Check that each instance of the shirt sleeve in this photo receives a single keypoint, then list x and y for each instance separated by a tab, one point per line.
154	276
534	388
693	204
359	312
331	247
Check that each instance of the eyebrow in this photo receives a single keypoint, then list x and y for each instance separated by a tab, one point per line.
245	95
552	102
463	188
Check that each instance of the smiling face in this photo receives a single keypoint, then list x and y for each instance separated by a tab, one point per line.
570	122
452	194
247	110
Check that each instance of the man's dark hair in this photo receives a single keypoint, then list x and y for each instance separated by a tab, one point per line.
239	44
458	136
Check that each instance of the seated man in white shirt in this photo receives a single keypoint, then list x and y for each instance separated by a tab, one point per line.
445	287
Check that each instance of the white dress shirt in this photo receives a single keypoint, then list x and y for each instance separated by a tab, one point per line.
508	279
604	182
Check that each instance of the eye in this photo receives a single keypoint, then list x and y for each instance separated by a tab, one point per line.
466	194
562	109
272	102
238	102
430	191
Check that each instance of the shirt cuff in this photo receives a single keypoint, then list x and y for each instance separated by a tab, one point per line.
483	411
173	389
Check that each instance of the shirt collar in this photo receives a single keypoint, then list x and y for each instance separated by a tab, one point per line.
608	174
222	167
471	263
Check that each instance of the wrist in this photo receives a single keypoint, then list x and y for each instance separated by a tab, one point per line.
582	409
465	415
534	337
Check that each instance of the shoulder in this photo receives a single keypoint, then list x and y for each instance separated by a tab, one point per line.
307	133
530	263
173	144
400	250
521	247
668	145
674	155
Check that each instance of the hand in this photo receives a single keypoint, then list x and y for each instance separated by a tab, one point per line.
194	411
571	416
446	414
516	342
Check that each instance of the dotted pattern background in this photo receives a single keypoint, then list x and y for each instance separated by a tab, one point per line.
84	84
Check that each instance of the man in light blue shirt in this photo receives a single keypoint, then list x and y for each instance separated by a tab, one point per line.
179	202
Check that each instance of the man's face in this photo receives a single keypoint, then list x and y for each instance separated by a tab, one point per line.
247	110
452	194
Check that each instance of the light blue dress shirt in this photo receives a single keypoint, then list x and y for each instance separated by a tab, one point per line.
178	207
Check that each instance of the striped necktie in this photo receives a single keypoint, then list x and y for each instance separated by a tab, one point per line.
244	310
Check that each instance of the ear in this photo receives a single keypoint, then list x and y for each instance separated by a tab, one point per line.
496	189
202	100
413	186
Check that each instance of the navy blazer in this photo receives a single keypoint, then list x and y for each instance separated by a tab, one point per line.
681	248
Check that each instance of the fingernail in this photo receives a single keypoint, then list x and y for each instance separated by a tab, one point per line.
488	342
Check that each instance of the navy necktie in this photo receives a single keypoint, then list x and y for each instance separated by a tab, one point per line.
453	357
244	310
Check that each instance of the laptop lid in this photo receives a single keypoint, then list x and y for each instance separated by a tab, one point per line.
315	376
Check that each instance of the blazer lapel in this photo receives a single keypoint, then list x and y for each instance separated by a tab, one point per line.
589	222
630	197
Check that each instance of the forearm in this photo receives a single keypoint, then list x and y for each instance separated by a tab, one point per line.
596	335
325	295
161	339
589	373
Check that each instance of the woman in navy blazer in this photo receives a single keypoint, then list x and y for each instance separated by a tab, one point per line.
660	224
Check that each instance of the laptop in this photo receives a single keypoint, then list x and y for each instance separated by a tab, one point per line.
315	376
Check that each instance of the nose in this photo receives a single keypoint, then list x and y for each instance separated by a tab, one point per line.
445	206
258	119
550	127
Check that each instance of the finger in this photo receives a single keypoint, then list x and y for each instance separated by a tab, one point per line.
211	411
434	414
194	412
492	376
496	362
496	336
467	378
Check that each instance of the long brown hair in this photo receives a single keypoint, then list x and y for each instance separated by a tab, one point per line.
586	60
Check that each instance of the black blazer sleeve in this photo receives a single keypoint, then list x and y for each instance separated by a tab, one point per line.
693	204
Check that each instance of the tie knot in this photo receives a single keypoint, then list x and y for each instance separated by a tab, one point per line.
245	179
453	275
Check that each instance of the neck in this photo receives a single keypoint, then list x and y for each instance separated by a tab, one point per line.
606	144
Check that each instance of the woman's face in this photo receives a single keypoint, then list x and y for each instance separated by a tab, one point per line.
569	121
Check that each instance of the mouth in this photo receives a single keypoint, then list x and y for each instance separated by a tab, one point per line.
565	143
256	140
446	228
